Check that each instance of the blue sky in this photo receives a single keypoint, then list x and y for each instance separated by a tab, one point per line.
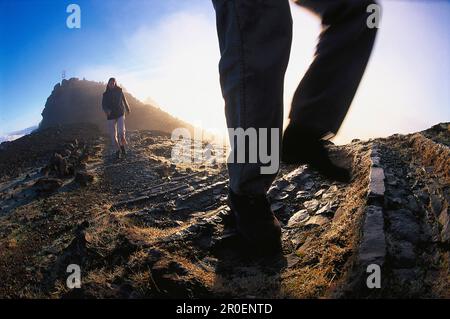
36	46
167	51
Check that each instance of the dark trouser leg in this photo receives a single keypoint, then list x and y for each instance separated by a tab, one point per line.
255	41
324	95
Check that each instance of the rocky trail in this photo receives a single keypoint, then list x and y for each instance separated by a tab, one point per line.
143	226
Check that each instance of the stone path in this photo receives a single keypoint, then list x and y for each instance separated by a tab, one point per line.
189	205
147	227
403	220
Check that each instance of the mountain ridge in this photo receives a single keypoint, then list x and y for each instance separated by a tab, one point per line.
79	101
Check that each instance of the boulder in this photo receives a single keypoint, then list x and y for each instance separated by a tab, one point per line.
48	185
373	243
404	225
318	220
84	178
403	255
376	183
59	164
298	218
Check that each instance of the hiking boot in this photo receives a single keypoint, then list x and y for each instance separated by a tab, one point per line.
124	152
256	223
301	146
118	154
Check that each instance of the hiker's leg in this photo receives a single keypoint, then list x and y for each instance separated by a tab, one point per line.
121	131
112	127
326	91
255	41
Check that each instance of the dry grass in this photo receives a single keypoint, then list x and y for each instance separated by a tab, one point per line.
326	259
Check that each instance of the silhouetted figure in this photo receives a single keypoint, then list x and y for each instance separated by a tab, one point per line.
115	106
255	41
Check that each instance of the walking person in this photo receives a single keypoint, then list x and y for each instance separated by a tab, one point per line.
255	41
115	106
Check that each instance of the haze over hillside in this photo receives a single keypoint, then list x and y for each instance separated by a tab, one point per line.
78	101
11	136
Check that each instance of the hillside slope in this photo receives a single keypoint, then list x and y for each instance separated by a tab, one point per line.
144	227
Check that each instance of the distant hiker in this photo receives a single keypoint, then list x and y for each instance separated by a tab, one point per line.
255	42
115	106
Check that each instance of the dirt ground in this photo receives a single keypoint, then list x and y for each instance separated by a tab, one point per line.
143	227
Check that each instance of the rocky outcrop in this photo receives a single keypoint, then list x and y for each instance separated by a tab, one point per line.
80	101
56	149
